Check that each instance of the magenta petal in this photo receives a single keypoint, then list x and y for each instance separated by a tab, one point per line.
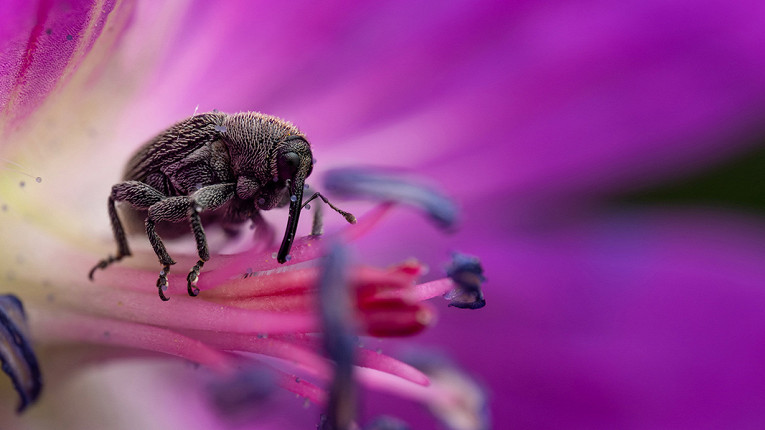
639	321
525	98
41	44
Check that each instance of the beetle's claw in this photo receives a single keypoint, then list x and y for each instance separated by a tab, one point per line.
162	283
193	278
103	264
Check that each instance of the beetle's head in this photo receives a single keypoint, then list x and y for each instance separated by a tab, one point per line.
271	161
293	164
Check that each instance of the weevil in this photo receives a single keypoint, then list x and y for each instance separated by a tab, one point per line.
216	167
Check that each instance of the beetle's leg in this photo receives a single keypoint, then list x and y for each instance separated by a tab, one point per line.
206	198
164	258
264	233
347	215
140	196
204	254
123	250
176	209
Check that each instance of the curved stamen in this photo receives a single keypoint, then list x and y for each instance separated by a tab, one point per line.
337	319
378	184
18	359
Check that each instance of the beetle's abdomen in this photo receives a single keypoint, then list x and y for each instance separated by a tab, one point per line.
174	144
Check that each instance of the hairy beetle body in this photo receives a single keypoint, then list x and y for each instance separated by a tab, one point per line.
213	167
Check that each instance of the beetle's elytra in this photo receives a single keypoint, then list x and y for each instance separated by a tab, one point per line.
236	164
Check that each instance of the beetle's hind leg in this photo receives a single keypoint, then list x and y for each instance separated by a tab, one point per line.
123	250
140	196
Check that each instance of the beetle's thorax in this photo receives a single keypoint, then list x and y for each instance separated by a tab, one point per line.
252	139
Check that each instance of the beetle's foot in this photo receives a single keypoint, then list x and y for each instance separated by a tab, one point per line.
193	278
103	264
162	283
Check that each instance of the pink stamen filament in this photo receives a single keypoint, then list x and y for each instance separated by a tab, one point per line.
183	312
58	327
431	289
311	345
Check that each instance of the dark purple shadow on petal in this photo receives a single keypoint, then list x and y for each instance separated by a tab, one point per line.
467	273
388	186
242	394
18	358
339	341
385	422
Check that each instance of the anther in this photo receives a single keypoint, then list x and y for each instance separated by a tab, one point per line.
467	274
391	187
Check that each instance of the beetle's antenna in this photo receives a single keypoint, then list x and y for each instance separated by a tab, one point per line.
347	215
296	203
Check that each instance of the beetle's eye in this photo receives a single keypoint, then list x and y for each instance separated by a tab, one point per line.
288	165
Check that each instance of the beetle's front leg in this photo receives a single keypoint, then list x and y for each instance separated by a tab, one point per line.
176	209
206	198
164	257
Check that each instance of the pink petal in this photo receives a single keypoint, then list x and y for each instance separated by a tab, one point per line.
41	44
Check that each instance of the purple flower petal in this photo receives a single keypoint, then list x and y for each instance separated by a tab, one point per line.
626	321
501	96
41	44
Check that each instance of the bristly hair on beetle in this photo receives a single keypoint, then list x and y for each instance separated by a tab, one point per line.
235	165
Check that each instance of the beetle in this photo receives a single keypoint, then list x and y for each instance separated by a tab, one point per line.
223	168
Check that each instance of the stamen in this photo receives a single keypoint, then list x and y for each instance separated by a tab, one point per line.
364	358
395	317
301	387
18	359
461	402
188	313
259	284
64	327
384	363
306	359
431	289
391	187
467	273
335	306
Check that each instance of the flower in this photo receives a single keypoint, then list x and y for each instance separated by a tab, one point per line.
533	116
266	311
